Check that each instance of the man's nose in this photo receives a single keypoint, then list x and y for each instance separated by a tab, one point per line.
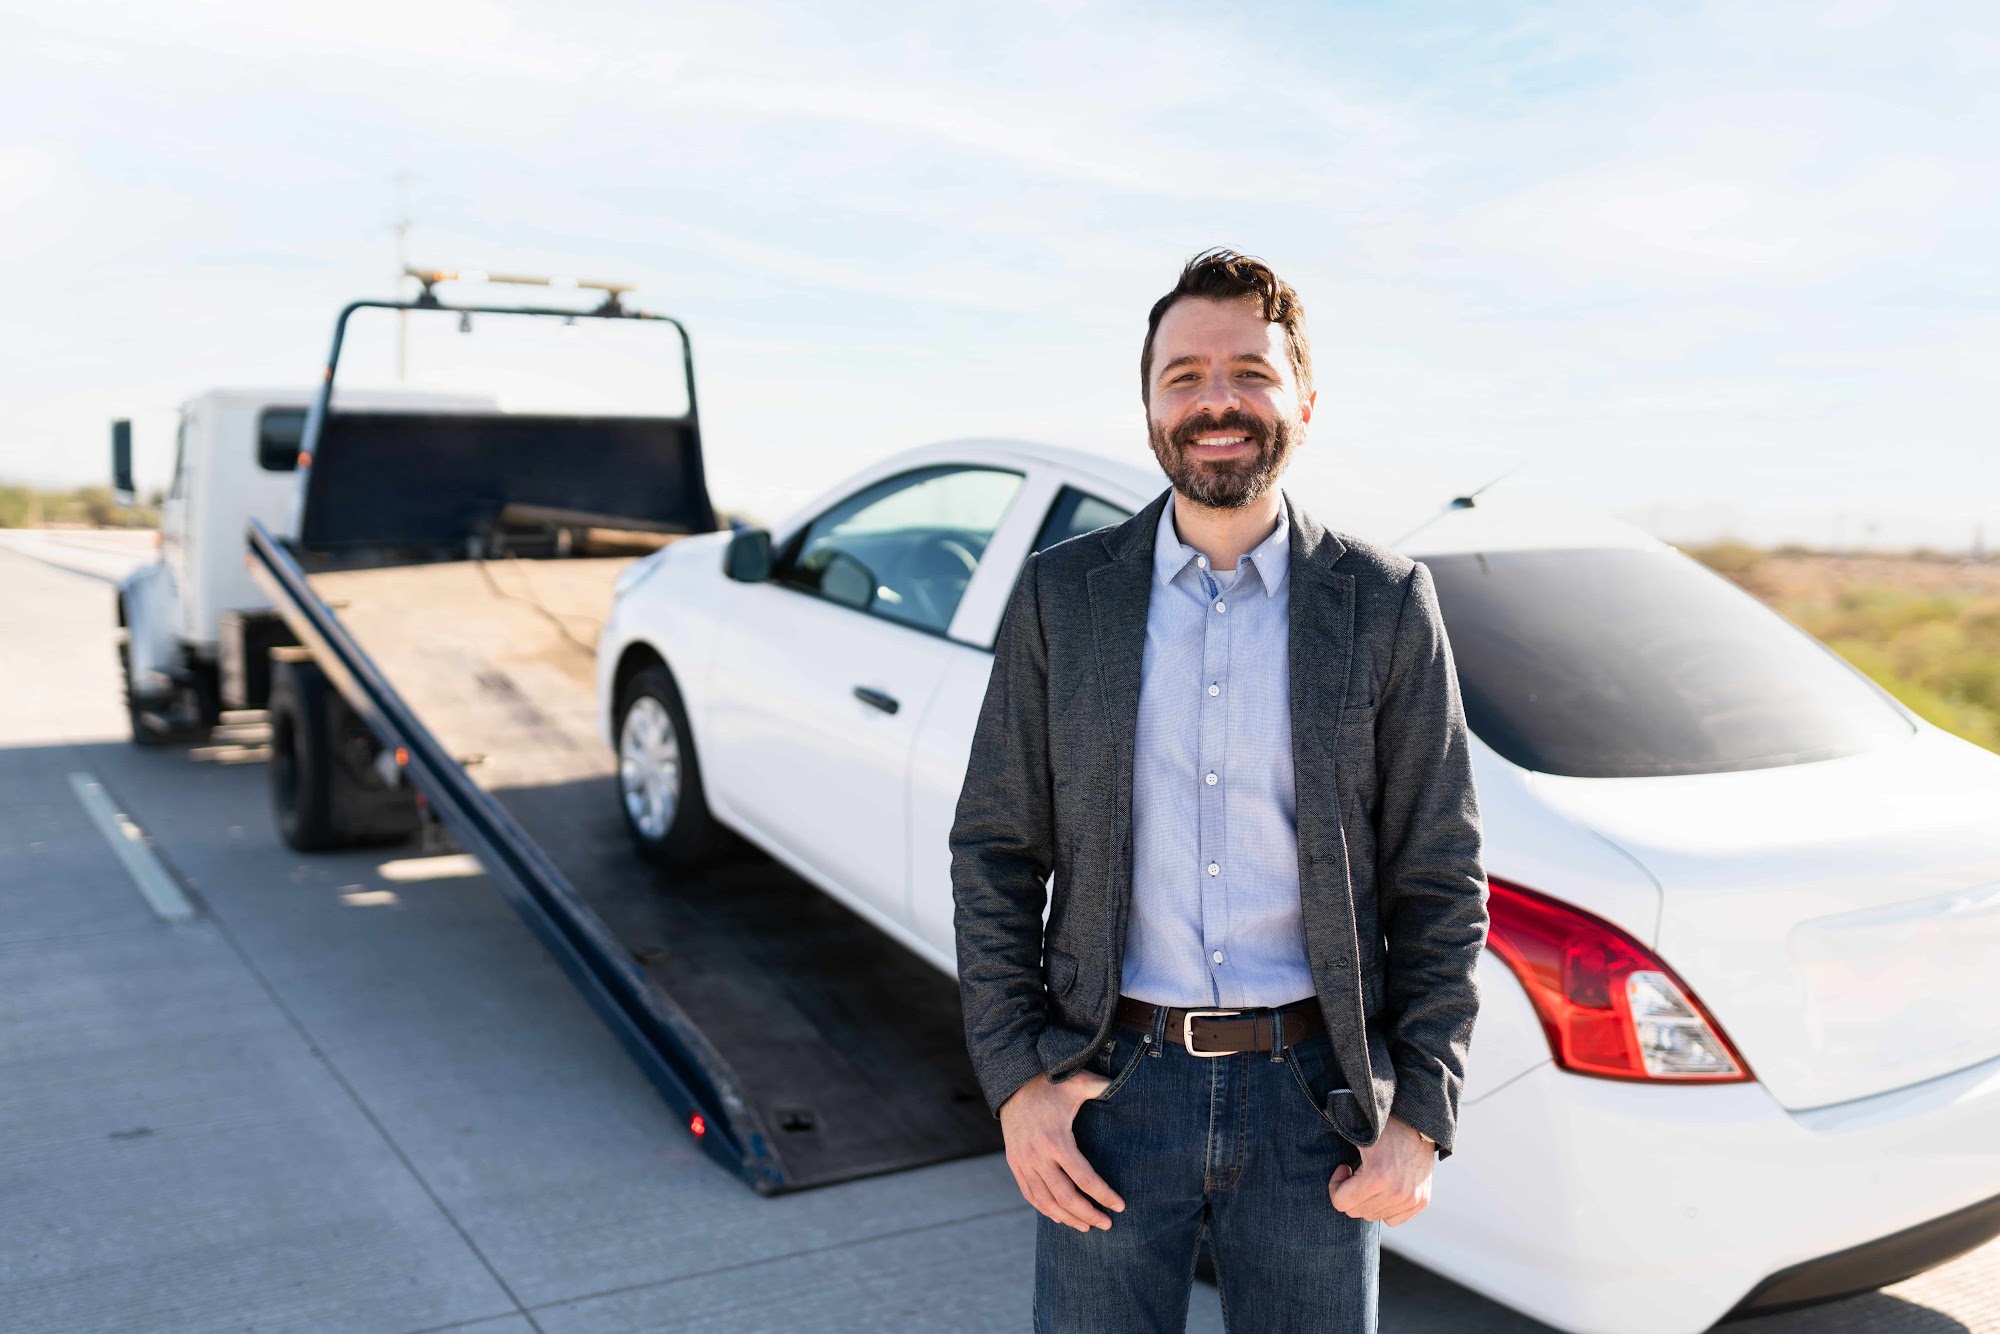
1218	395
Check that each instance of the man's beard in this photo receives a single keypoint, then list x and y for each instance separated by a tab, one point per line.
1224	484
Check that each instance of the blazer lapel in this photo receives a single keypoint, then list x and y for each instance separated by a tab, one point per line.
1120	595
1320	638
1320	656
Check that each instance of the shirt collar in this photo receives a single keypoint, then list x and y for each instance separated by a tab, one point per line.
1270	558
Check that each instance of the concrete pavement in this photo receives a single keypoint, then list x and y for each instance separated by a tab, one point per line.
353	1093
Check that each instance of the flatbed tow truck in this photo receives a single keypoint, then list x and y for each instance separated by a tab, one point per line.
444	574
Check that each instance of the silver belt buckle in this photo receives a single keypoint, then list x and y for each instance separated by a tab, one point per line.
1187	1029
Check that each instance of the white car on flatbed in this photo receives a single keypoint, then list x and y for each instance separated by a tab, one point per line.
1739	1041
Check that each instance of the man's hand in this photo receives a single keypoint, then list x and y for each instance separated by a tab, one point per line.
1394	1183
1041	1150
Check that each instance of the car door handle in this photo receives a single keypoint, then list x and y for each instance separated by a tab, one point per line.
881	699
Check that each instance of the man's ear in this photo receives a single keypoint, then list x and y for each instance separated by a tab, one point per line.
1306	408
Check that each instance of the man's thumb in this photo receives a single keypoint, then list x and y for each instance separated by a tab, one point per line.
1341	1173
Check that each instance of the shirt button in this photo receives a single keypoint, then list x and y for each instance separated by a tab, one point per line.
1211	780
1213	869
1201	561
1214	689
1217	956
1221	607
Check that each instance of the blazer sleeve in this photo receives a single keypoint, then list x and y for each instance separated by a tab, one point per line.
1002	854
1429	873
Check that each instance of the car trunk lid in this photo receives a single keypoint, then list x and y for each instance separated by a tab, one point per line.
1840	919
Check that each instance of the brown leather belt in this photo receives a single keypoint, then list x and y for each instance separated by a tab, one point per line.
1224	1032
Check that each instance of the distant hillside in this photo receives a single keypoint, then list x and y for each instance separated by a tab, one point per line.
32	507
1926	628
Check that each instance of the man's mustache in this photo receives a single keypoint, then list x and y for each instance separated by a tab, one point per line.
1183	435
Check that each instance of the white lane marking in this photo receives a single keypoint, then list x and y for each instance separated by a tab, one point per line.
128	844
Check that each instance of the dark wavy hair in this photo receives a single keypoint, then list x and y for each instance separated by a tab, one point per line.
1221	274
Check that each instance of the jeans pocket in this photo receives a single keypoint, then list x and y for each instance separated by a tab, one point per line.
1316	1072
1117	1060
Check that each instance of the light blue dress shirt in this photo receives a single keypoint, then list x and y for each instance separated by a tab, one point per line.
1215	887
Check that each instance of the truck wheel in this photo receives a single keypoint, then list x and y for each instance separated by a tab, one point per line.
325	792
301	767
146	728
206	689
659	780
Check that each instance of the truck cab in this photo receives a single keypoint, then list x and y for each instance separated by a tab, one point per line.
195	626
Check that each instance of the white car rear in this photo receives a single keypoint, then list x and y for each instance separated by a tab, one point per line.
1735	1017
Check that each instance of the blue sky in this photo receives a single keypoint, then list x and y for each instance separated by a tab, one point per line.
1709	266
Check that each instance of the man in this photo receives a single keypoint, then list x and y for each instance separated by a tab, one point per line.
1236	741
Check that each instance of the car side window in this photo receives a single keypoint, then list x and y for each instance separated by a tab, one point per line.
906	547
1075	512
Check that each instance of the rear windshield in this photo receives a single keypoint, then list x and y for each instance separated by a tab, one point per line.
1620	663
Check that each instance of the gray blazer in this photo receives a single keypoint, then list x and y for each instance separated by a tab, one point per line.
1391	885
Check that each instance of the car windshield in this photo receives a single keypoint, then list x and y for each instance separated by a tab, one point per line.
1618	663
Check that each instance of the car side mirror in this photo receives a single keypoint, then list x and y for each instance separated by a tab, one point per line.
121	460
748	556
847	581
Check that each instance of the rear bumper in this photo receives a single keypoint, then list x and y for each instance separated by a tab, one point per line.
1626	1208
1876	1264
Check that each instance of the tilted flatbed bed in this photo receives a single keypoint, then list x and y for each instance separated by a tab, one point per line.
799	1044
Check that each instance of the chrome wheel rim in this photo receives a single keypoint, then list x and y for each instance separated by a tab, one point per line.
649	767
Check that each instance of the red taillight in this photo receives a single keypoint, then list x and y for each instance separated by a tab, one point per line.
697	1125
1610	1007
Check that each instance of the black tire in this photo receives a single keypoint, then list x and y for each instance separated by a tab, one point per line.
206	692
691	837
301	769
325	793
143	733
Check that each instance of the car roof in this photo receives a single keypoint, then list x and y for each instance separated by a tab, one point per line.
1394	506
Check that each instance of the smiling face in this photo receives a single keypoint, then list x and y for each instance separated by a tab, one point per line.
1223	407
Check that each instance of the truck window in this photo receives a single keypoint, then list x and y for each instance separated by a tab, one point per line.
279	433
1622	663
178	488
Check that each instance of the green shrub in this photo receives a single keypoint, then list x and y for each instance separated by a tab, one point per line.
1939	653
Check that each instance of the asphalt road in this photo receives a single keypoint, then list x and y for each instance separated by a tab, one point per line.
352	1093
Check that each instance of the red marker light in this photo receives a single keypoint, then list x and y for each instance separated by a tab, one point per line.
402	756
697	1125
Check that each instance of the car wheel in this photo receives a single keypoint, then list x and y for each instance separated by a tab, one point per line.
659	780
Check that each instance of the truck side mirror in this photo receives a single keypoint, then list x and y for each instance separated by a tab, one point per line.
748	556
121	460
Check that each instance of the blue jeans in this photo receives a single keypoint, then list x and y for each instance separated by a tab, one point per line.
1238	1145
